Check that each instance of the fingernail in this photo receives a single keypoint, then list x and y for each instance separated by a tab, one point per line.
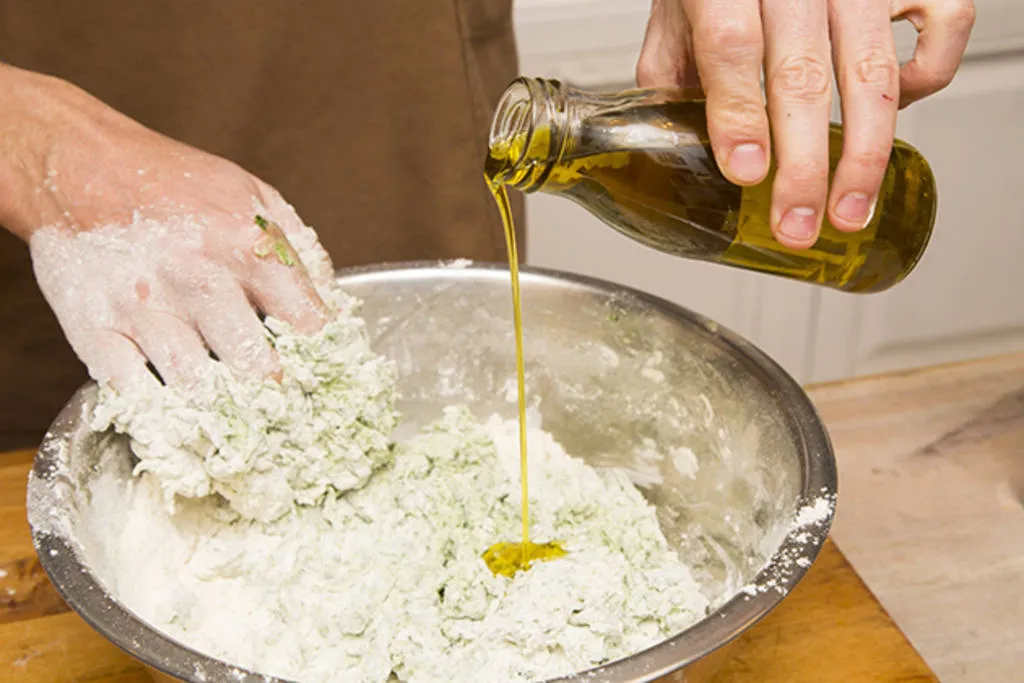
854	207
747	162
799	224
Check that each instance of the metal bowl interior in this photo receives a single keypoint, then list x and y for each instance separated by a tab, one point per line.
620	378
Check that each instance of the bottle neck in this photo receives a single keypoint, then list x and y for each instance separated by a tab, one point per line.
540	124
530	133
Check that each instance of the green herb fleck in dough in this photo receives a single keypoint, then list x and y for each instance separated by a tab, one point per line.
283	255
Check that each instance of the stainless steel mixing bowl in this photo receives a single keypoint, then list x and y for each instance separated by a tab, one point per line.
624	379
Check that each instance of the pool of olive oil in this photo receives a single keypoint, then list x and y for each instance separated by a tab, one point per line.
507	558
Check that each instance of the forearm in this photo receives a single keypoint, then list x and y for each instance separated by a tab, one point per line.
21	133
42	120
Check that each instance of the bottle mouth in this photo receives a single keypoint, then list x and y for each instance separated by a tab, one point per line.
511	130
513	115
527	128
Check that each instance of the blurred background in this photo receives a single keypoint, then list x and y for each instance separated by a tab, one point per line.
963	301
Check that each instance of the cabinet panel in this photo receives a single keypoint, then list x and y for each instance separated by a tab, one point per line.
773	313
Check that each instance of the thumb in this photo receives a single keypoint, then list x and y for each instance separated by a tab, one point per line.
665	59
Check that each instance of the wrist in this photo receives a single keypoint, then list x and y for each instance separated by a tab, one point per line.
31	117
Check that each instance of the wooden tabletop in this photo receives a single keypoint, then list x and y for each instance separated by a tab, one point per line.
830	629
931	507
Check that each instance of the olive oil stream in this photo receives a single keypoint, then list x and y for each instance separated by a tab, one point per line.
505	559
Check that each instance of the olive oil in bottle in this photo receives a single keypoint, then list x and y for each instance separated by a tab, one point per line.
641	161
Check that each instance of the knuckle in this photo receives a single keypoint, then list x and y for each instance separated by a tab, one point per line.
943	77
729	38
267	193
142	290
649	70
875	68
737	117
959	14
201	281
871	161
643	73
807	178
933	79
802	78
202	287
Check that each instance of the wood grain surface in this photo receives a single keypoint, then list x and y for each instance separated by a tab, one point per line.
831	629
931	507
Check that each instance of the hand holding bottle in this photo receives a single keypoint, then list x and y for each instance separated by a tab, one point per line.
725	46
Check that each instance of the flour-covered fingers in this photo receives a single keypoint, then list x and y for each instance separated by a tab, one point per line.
113	359
172	345
279	283
302	237
229	325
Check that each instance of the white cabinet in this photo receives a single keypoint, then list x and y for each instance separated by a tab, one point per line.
965	299
773	313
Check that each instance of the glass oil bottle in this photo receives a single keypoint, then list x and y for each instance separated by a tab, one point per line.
641	161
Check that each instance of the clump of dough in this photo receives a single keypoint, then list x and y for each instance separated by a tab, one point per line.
262	445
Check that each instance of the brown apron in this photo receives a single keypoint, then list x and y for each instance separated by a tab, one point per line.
370	116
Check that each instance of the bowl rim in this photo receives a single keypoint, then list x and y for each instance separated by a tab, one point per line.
82	591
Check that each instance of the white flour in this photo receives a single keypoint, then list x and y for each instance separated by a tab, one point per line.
788	560
332	554
389	577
